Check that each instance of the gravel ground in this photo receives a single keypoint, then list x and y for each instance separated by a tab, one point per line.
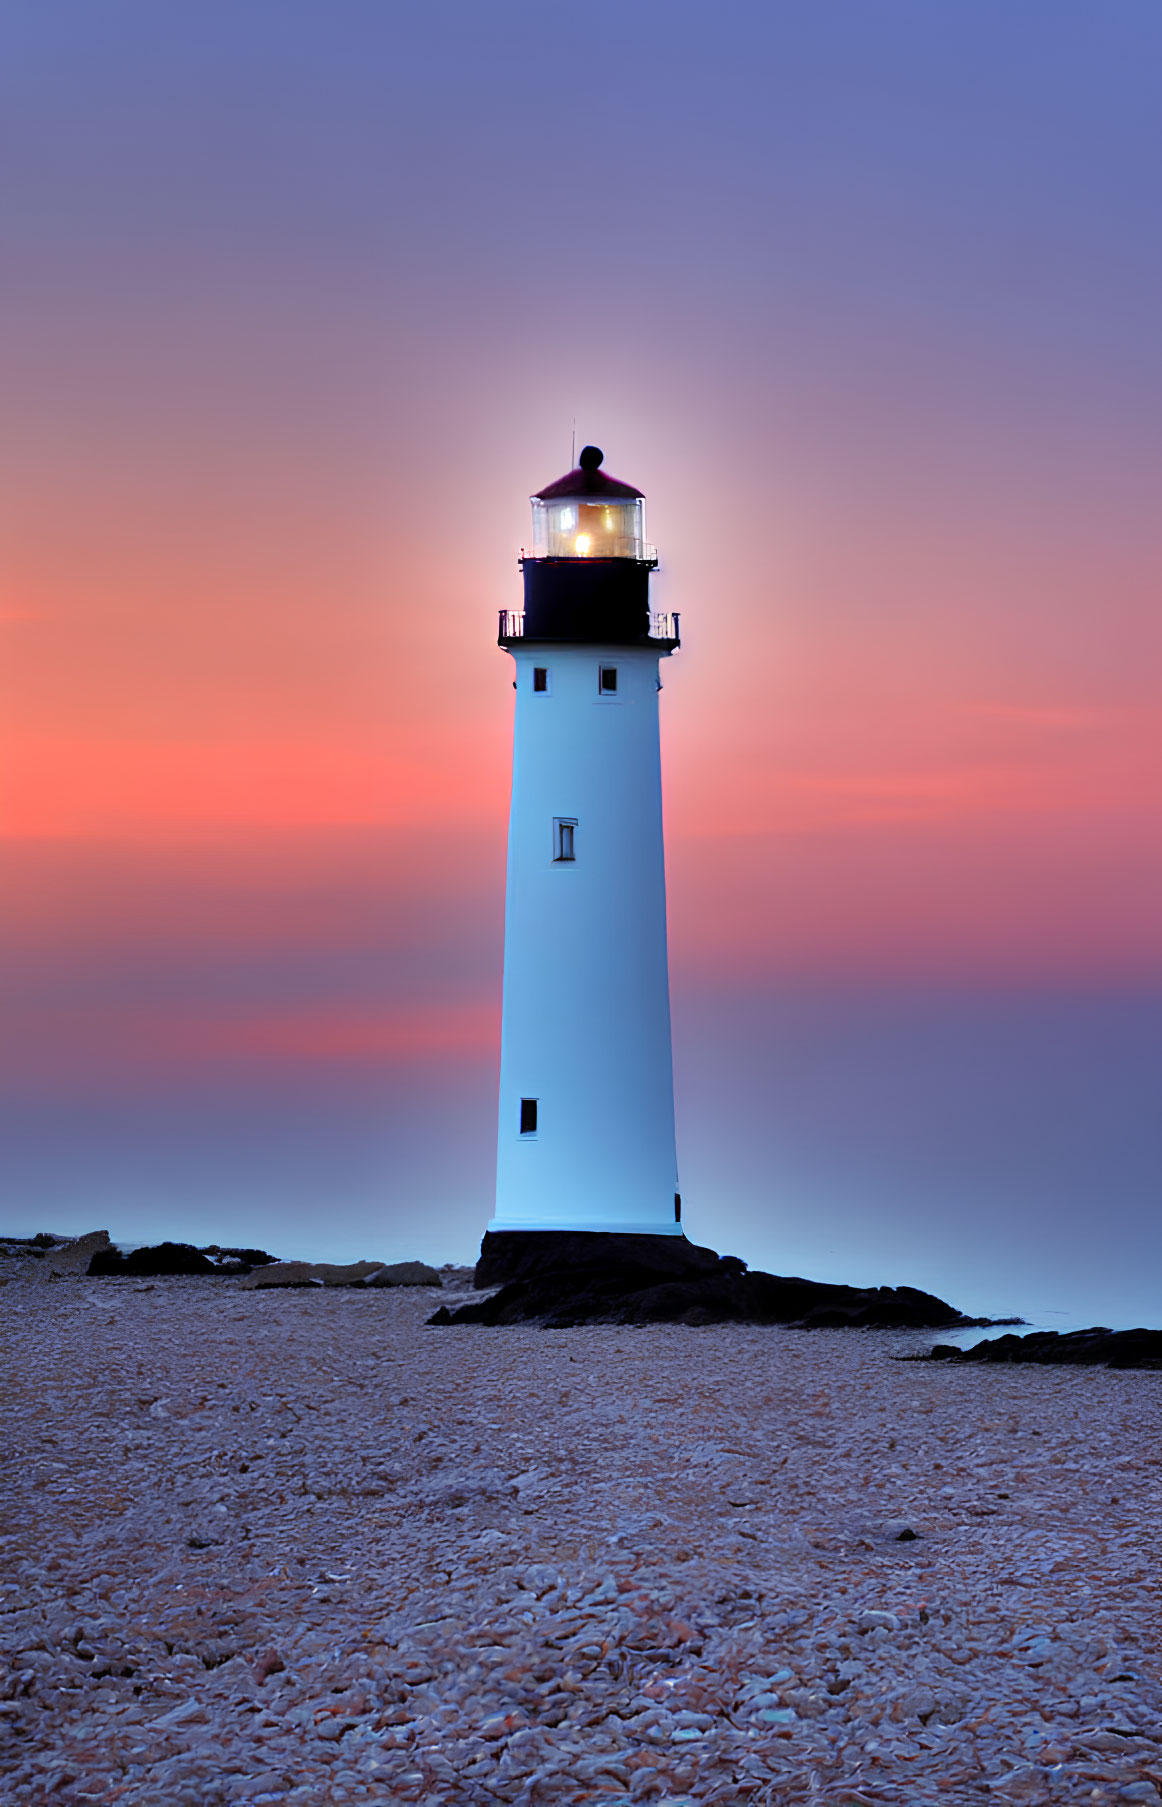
266	1547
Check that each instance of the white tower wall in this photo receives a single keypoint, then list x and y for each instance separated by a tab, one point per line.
586	1026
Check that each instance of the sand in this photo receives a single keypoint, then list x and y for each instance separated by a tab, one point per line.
265	1547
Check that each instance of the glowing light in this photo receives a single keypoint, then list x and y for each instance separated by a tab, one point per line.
583	543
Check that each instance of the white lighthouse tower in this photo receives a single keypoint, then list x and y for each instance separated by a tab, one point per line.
586	1122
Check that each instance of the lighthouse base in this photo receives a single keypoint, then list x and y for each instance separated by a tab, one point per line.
658	1255
500	1226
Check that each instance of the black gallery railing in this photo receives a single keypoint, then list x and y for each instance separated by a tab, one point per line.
663	626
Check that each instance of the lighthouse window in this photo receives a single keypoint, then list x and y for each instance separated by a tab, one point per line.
540	677
528	1116
564	828
607	680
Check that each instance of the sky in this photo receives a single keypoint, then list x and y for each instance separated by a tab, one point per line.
300	302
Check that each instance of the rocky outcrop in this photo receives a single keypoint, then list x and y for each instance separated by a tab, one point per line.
228	1260
559	1278
74	1257
353	1273
311	1273
175	1258
405	1273
46	1257
160	1258
1096	1347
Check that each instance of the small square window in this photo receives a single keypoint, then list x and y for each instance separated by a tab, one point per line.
564	837
528	1116
540	677
607	680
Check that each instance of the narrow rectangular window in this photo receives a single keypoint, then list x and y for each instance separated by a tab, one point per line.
564	830
540	677
528	1116
607	680
677	1207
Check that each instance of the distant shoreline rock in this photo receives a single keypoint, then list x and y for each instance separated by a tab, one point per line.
353	1273
559	1279
77	1256
46	1257
176	1258
1096	1347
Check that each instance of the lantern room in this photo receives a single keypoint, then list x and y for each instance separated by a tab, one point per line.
589	515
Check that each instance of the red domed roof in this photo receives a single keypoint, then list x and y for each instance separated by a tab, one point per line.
588	480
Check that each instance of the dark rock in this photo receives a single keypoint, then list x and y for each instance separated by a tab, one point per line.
162	1258
525	1254
74	1257
177	1258
94	1254
405	1273
269	1663
560	1278
1096	1347
247	1257
311	1273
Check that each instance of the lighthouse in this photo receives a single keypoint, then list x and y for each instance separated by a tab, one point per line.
586	1107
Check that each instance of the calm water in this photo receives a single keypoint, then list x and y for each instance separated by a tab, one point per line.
1060	1321
1002	1151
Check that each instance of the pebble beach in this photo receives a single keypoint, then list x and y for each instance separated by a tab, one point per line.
298	1546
